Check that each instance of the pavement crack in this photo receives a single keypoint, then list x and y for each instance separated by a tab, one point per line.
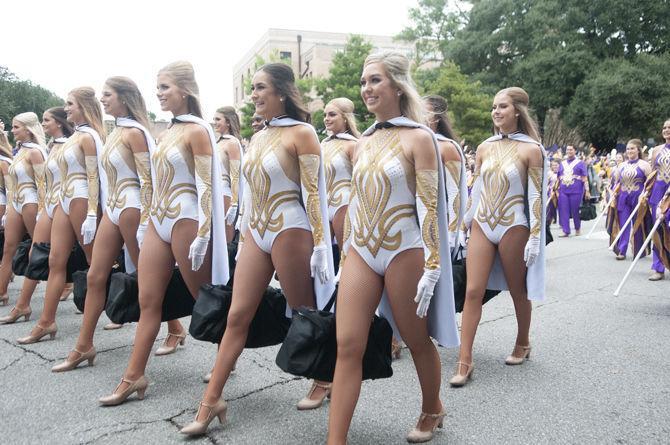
172	421
256	391
30	351
15	361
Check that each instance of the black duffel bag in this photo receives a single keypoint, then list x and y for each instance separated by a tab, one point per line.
21	257
459	276
80	287
310	347
38	264
2	241
210	316
587	211
123	304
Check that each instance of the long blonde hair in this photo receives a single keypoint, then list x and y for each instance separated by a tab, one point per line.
397	68
131	97
346	108
90	109
32	124
183	75
525	123
5	146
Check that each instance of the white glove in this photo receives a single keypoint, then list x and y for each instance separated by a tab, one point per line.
336	280
319	263
239	249
88	228
532	250
4	219
425	289
231	215
197	251
141	230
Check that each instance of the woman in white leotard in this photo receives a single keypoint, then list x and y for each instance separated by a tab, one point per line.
187	220
338	151
55	124
26	175
79	196
454	166
5	161
396	244
282	162
507	222
227	124
125	160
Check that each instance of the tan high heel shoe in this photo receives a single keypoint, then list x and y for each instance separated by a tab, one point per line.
15	314
308	403
418	436
514	360
39	332
166	349
4	300
69	365
197	428
140	386
459	379
67	291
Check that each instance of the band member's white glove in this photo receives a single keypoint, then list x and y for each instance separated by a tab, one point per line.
239	250
4	219
319	263
425	290
531	251
88	228
231	215
197	252
141	230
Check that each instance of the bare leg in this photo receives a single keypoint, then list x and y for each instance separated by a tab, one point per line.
514	267
357	299
401	279
29	216
252	275
338	225
41	234
14	231
481	253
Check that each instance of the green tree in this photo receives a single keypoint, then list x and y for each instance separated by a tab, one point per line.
622	99
469	104
18	96
344	80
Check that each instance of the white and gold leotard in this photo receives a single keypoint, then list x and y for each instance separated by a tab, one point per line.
382	212
273	180
74	182
123	184
24	179
502	203
53	179
338	170
174	195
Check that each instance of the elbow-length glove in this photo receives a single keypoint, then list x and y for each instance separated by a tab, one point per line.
426	206
532	249
231	215
41	185
309	177
473	201
90	224
143	167
203	185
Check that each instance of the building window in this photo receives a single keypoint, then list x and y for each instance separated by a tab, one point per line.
285	56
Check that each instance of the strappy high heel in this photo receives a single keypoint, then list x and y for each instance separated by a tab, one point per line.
15	314
513	360
37	336
67	291
459	379
418	436
166	349
69	365
197	428
140	386
308	403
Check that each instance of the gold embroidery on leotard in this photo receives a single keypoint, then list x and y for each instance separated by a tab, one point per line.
309	177
335	189
203	170
68	179
663	165
234	180
165	204
426	190
20	187
629	180
143	165
263	205
116	196
535	174
373	189
454	170
495	206
52	186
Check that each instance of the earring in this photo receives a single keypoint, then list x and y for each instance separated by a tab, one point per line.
516	115
281	99
399	93
183	97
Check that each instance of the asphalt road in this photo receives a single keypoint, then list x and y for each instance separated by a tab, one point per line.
598	374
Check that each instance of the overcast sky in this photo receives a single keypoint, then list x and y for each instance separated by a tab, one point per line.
62	44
